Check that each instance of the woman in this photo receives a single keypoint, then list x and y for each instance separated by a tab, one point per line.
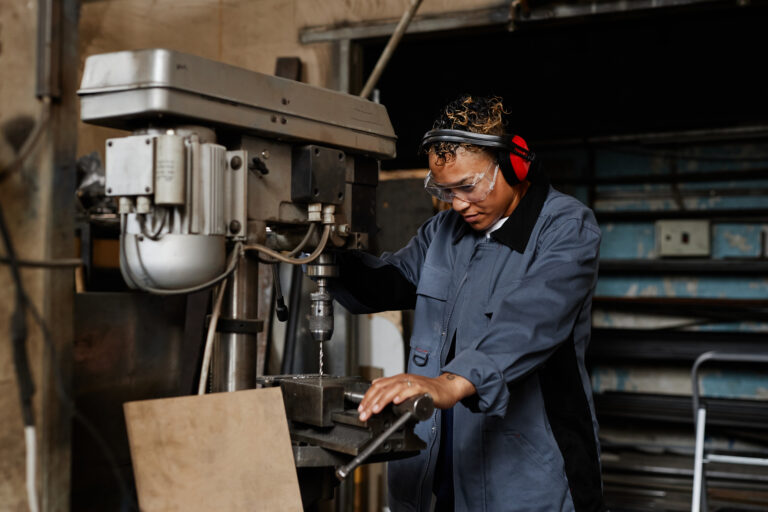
502	287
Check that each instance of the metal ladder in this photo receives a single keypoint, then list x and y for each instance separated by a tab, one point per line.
699	498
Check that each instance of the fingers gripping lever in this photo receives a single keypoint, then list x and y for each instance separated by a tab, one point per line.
419	408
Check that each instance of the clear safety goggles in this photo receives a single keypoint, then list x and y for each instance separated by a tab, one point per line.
472	189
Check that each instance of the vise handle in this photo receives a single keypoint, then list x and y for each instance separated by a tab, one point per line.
417	407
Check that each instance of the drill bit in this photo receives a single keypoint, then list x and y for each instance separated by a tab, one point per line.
321	358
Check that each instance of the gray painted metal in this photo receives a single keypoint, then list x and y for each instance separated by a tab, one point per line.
132	88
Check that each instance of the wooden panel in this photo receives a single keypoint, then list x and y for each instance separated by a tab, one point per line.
224	451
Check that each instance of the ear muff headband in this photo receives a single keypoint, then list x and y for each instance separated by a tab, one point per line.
513	156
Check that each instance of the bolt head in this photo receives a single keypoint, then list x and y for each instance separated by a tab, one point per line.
236	163
234	227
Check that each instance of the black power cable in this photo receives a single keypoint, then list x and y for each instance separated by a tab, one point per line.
18	331
24	376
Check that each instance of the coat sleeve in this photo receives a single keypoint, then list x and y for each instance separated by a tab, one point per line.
367	284
531	317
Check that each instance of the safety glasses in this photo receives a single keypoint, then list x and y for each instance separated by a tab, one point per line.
472	189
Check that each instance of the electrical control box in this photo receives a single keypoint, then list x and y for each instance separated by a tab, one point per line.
683	238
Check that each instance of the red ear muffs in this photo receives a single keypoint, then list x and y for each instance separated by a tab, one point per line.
515	162
519	164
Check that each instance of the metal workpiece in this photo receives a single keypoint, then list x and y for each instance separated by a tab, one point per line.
137	88
312	400
325	426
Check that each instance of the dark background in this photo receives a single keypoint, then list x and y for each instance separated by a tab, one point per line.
661	70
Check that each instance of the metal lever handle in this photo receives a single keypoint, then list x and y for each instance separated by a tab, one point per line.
419	407
346	469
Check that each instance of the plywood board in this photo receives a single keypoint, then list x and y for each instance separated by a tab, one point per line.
223	451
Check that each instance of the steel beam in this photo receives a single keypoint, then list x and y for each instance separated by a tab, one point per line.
501	16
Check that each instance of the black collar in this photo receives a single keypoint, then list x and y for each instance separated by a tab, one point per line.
516	231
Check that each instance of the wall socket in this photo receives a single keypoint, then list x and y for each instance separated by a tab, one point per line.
683	237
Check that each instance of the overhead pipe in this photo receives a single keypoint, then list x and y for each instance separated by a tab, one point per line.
394	40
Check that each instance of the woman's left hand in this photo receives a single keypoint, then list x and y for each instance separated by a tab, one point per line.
446	390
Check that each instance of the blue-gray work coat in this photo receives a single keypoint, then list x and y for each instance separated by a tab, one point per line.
517	306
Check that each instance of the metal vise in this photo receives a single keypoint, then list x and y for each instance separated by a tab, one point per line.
325	429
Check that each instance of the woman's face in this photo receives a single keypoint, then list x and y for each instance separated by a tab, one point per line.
501	200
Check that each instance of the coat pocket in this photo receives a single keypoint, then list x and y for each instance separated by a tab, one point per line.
432	296
433	283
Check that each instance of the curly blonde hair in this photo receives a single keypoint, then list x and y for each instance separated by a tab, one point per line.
476	114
